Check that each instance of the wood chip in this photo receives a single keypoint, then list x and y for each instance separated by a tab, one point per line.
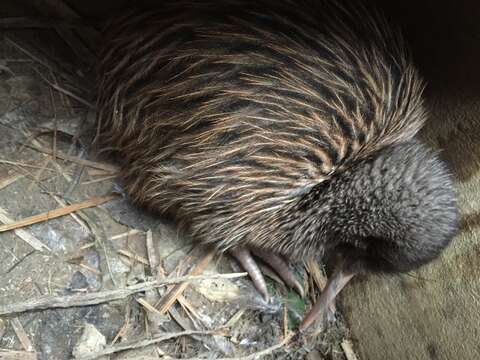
21	334
95	201
348	350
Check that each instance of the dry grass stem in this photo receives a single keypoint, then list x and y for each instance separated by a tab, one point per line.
22	234
151	253
146	342
21	334
74	216
17	355
95	201
169	299
67	301
94	181
93	164
133	256
91	269
148	306
16	163
9	180
125	234
254	356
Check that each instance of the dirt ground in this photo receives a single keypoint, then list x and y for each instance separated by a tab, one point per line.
59	276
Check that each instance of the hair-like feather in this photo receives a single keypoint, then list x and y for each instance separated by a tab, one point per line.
230	114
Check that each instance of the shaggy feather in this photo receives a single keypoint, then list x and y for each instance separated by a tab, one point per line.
257	123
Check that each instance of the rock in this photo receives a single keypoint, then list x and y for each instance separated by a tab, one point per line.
90	342
79	282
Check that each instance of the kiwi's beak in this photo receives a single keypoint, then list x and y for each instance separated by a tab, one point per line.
341	276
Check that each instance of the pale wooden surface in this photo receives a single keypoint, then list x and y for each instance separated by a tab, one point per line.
435	313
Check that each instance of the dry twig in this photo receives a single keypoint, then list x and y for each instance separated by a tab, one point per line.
254	356
125	234
4	182
169	299
123	330
16	163
133	256
93	164
98	200
74	216
50	302
17	355
146	342
148	306
151	253
21	334
94	181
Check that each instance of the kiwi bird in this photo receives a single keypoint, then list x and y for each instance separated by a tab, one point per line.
286	129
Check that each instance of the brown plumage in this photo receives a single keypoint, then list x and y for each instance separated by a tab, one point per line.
281	125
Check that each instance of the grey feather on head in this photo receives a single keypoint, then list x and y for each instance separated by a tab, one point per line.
392	213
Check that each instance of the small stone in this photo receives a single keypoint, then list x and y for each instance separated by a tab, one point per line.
90	342
78	282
